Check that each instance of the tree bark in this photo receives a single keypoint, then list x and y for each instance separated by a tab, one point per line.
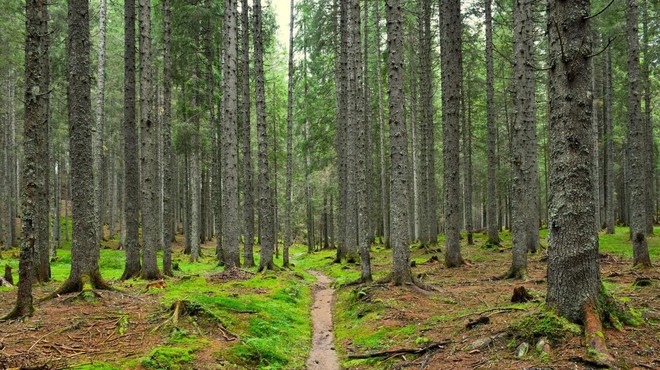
248	196
636	143
451	60
401	273
524	194
289	147
265	202
85	249
100	118
362	150
34	137
491	181
149	148
230	219
42	165
168	157
342	131
648	125
384	189
609	147
573	265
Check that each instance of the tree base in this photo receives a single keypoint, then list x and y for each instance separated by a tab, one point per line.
513	274
84	282
269	266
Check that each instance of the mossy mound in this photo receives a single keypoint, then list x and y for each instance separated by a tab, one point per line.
543	324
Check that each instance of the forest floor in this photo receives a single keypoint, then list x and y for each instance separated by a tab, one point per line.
206	318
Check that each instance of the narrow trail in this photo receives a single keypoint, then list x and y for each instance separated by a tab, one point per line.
323	355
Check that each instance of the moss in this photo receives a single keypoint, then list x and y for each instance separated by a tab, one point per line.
543	324
95	366
172	358
616	313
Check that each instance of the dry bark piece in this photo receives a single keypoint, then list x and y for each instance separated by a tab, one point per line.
481	320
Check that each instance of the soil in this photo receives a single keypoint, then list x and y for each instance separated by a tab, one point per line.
323	355
470	292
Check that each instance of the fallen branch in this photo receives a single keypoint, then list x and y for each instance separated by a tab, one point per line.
397	352
500	309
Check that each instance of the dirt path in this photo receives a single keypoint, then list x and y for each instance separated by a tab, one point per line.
323	355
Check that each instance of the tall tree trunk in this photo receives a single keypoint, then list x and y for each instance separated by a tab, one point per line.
524	194
342	132
451	60
10	162
401	273
648	125
34	137
85	249
609	147
491	181
41	215
195	177
353	119
149	148
168	157
231	225
362	150
248	196
100	118
573	268
289	147
384	189
428	126
265	202
636	143
467	159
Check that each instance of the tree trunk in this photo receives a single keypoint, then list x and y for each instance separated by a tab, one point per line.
636	144
648	125
265	202
467	160
248	196
149	149
451	60
342	132
573	266
384	189
523	143
362	149
100	118
195	178
85	249
491	181
401	273
168	157
34	137
428	126
42	166
609	147
289	147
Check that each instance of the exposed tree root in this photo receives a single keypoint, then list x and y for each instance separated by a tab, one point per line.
269	266
130	274
402	351
183	307
512	274
84	284
593	330
358	282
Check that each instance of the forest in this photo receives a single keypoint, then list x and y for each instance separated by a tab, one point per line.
329	184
